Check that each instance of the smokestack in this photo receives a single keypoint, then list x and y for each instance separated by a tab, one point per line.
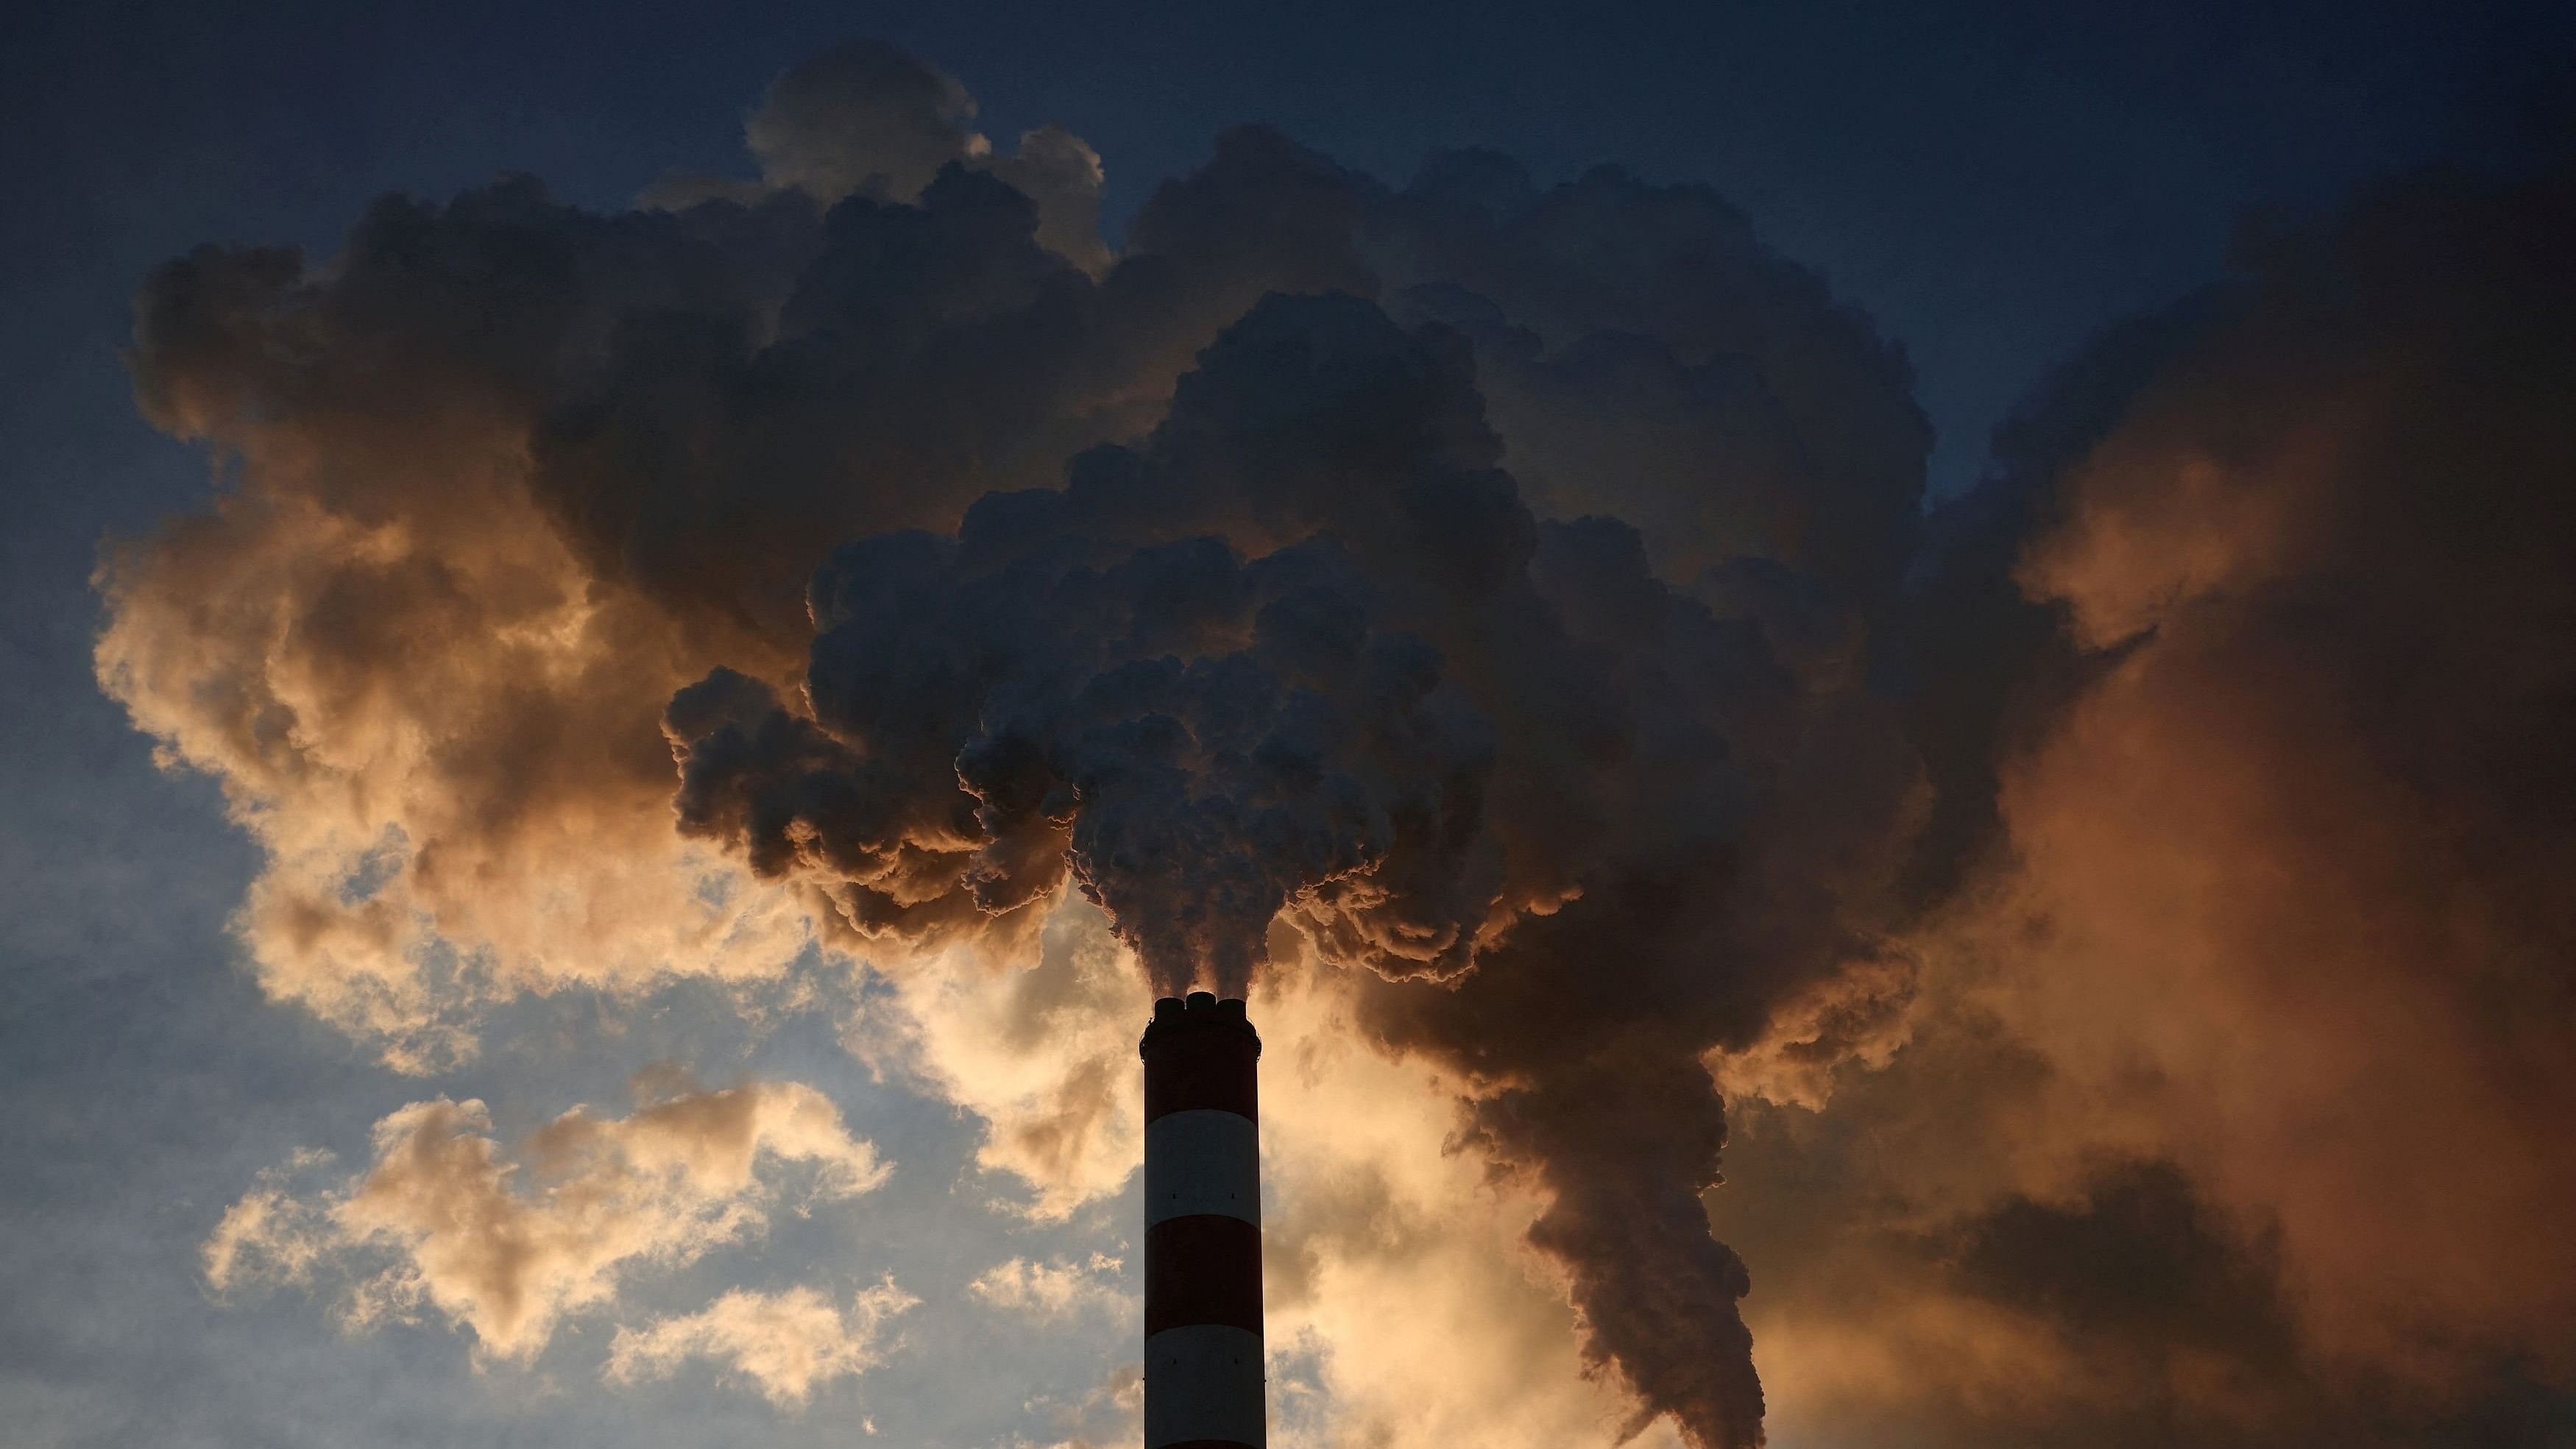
1203	1381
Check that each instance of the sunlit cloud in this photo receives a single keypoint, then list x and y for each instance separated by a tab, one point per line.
1050	1290
788	1343
445	1223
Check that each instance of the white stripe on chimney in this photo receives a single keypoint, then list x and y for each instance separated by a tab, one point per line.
1202	1161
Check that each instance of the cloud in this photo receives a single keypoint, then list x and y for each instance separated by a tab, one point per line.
443	1221
269	1232
2242	1019
426	641
1859	1015
863	118
1041	1049
1406	1305
479	819
2298	852
1055	1289
789	1343
1111	1412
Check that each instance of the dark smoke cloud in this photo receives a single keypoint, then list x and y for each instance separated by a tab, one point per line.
2247	680
1519	593
961	559
1305	650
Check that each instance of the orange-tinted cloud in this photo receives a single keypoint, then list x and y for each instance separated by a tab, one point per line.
443	1221
789	1343
2302	855
2279	897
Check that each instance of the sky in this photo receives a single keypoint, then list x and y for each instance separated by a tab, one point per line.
600	771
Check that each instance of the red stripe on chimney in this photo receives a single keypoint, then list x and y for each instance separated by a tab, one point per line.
1190	1071
1202	1269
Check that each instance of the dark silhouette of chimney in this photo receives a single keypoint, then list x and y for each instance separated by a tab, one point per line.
1203	1369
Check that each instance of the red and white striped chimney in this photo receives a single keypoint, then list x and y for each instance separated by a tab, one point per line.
1203	1379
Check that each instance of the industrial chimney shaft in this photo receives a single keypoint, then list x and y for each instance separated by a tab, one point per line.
1203	1351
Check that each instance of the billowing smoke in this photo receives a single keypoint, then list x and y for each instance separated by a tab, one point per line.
1504	603
2231	1105
1475	579
2285	889
1305	651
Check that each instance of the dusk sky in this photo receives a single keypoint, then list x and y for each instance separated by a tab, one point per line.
1873	698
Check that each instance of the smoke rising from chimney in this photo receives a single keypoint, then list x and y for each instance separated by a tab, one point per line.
1480	580
1495	600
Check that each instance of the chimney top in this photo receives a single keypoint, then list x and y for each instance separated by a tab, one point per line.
1201	1011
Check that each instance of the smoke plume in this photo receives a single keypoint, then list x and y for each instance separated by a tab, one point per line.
2291	863
1505	603
959	562
2227	1109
